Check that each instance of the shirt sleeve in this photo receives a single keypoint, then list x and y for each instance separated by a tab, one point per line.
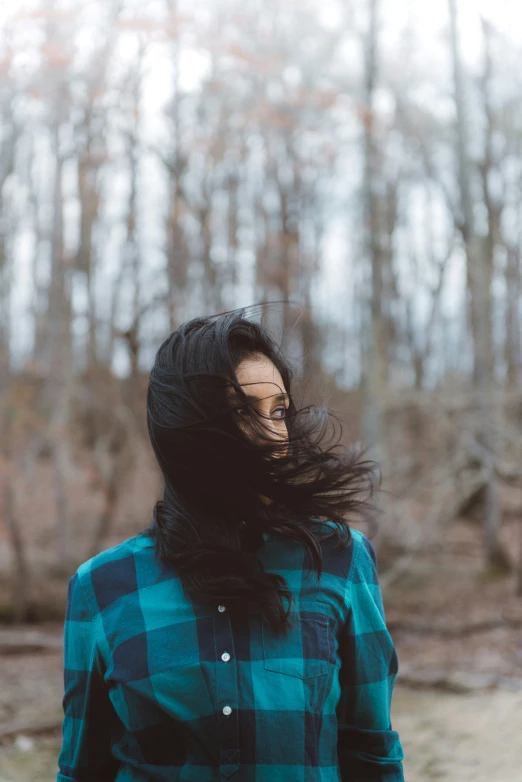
88	712
368	748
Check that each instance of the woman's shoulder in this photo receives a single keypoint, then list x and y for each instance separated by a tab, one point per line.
116	563
363	567
358	539
359	561
361	541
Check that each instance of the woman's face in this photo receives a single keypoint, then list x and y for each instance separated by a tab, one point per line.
262	382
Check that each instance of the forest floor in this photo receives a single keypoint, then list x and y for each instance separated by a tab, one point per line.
471	735
462	738
467	737
457	704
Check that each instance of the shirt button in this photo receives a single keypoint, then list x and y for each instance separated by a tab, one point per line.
227	710
221	608
225	656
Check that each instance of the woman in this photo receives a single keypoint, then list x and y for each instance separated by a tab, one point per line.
182	661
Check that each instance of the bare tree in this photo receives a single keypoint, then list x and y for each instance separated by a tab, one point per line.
375	364
59	382
479	271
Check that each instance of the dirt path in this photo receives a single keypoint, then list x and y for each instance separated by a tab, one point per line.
459	738
31	688
472	737
462	738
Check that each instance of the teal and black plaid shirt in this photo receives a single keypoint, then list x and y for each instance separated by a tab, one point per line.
158	689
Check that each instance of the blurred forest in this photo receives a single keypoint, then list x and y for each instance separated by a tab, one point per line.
167	159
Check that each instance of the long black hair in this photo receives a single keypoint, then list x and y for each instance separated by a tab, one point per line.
215	473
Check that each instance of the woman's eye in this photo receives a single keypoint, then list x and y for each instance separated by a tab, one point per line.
283	409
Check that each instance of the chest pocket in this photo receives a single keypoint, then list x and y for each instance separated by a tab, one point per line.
305	650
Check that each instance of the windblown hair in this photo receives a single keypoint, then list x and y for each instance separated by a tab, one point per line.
217	459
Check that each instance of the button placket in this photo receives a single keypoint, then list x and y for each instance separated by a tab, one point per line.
226	693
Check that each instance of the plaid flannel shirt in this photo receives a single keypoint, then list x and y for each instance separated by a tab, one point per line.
157	688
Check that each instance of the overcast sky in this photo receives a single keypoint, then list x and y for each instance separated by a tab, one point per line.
429	17
429	21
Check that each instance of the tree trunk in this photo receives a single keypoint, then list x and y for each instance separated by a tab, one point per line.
89	202
519	568
375	362
211	295
310	264
60	378
512	344
178	255
20	580
479	264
